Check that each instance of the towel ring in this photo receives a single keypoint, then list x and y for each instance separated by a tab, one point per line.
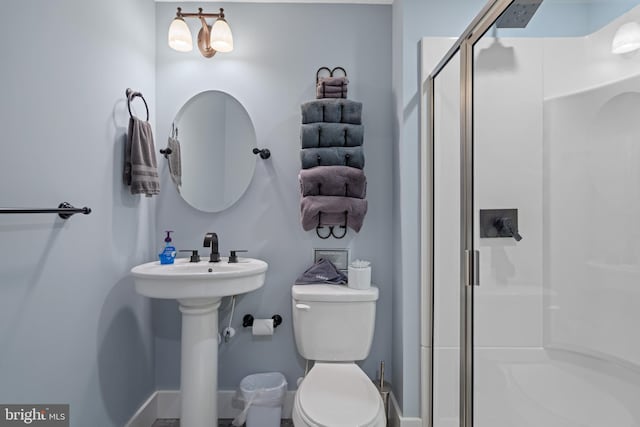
130	95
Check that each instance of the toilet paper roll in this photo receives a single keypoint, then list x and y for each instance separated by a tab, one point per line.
262	327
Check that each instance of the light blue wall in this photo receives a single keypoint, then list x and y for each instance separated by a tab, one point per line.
72	329
397	318
418	18
599	14
278	48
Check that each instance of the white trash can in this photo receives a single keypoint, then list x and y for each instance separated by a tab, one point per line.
263	395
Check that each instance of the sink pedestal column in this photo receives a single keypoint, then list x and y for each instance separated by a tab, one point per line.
199	365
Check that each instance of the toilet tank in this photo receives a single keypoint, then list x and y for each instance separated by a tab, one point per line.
333	323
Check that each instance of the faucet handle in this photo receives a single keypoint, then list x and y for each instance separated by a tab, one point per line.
233	258
506	224
194	254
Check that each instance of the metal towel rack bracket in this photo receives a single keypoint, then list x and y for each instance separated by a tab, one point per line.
331	228
65	210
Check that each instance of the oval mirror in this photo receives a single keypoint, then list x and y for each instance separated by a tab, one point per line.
216	138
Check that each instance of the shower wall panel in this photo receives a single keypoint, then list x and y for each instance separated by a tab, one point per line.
592	207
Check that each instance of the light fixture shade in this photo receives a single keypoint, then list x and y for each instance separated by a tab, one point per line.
627	38
221	37
180	36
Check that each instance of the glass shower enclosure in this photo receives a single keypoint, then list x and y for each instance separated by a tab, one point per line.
531	222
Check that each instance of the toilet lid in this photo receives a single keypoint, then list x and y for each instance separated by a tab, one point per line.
339	394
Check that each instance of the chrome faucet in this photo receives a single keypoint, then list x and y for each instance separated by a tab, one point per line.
211	239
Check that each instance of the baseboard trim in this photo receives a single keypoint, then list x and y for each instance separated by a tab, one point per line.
397	420
166	404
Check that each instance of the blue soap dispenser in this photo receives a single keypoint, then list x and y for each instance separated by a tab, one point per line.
168	254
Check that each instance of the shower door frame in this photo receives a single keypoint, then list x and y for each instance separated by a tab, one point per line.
469	256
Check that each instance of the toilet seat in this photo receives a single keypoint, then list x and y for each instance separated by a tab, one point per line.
338	395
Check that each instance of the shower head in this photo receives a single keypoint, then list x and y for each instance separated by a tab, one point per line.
518	14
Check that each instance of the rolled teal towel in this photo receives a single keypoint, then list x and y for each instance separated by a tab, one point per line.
332	111
314	135
332	156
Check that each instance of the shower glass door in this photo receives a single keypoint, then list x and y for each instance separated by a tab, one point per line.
556	221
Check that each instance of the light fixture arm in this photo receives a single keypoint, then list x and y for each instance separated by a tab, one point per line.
200	14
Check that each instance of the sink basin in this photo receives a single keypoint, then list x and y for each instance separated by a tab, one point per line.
199	287
189	280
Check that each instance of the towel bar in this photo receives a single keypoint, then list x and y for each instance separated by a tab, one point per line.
65	210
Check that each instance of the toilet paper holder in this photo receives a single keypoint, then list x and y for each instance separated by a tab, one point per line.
247	320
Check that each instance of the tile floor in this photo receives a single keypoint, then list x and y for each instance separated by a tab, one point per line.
221	423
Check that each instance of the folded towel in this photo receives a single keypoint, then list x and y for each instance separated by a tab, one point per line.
333	181
140	167
332	111
332	156
314	135
333	81
331	92
323	271
330	210
333	96
175	161
331	89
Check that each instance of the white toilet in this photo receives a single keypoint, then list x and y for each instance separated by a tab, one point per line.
333	326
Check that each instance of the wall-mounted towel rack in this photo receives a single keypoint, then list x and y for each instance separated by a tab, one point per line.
330	71
65	210
130	95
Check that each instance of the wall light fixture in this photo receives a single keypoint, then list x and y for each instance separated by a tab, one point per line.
211	39
627	38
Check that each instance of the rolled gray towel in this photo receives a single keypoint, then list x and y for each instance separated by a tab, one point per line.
314	135
332	156
317	211
333	181
332	111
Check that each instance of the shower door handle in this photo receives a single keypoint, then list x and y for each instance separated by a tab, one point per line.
472	268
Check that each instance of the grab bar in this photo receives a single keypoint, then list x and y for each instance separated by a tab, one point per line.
64	210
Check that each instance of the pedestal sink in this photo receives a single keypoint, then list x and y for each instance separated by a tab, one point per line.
198	288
